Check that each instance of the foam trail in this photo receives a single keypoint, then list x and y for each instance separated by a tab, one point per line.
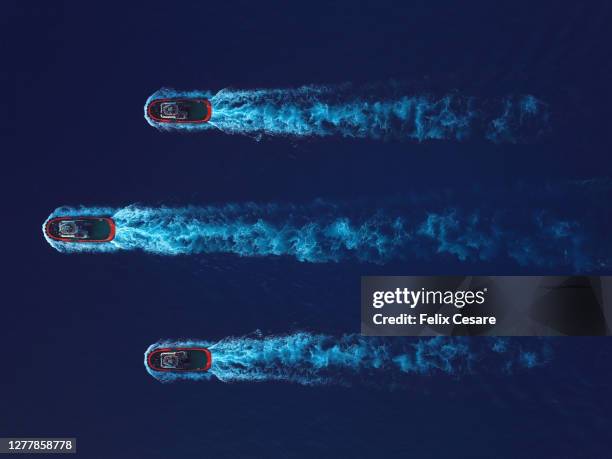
321	111
315	359
534	234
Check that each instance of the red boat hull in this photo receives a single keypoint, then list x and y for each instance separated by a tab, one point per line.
158	119
55	237
152	366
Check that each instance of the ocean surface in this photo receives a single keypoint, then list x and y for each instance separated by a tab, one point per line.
75	326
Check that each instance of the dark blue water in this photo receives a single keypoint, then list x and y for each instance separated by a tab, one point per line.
75	326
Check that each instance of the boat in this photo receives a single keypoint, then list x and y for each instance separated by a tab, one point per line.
192	111
81	229
182	359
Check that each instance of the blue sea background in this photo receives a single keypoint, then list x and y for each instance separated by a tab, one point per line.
75	327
